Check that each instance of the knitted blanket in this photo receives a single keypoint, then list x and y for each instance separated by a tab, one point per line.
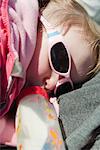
80	114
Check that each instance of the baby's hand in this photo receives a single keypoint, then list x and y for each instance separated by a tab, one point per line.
51	83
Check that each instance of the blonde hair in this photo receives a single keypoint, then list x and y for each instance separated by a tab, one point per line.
71	13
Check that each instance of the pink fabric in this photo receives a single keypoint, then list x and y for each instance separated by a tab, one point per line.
18	28
7	132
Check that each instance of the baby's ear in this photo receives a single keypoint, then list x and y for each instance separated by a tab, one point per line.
52	81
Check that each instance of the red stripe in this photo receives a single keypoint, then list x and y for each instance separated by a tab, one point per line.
32	90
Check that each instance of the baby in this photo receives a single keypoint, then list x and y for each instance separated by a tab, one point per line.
81	38
67	51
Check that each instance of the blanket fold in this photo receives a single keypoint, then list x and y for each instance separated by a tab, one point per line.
18	31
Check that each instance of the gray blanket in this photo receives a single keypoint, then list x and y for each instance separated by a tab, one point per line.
80	114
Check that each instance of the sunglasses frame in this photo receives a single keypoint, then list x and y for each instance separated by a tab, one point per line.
54	36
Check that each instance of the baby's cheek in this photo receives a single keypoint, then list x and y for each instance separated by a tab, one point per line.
79	72
44	71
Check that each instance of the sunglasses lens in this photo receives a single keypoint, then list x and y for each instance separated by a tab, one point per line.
64	88
59	58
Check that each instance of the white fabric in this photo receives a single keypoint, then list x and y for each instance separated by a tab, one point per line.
37	125
92	7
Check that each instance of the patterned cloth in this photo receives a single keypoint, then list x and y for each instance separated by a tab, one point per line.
37	123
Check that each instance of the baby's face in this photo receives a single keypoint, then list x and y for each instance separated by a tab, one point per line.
80	52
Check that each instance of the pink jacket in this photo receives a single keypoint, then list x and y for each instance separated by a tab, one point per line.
18	28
